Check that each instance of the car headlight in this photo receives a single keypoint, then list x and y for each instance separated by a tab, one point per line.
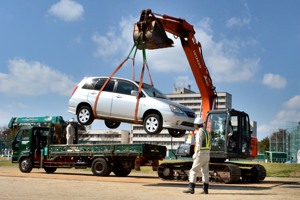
175	109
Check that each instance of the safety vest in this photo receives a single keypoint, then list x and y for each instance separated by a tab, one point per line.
206	142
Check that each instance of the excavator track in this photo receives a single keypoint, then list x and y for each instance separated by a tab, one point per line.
219	172
252	173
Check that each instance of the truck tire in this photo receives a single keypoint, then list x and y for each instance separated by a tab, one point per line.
153	124
120	170
176	133
112	125
50	170
100	167
85	115
25	165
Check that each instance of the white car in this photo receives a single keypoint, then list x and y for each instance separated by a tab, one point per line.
117	103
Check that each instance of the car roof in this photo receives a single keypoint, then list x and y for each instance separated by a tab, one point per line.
118	78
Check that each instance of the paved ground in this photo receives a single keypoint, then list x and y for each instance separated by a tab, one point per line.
81	184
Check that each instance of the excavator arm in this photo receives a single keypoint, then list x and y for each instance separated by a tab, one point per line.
151	29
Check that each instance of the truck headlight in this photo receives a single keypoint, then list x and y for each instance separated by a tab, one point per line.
175	109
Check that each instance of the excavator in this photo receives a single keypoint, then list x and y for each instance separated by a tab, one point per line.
230	129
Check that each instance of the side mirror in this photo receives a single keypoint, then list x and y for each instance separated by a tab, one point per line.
134	93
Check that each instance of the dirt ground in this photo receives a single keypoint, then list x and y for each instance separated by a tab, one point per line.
81	184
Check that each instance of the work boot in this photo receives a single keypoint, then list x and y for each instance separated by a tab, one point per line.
191	189
205	188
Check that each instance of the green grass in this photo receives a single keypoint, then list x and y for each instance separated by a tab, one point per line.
282	170
4	162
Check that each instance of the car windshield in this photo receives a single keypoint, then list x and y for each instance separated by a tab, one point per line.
153	92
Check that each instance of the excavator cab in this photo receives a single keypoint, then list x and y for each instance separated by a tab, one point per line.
230	134
150	31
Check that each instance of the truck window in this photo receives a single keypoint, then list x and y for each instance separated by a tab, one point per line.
23	135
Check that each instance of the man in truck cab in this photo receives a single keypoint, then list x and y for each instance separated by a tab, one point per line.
201	158
70	132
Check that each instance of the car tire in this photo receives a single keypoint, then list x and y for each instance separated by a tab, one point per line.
176	132
153	124
112	125
85	115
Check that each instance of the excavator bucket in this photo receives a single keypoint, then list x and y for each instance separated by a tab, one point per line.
152	34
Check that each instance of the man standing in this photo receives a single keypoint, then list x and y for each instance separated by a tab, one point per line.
70	132
201	158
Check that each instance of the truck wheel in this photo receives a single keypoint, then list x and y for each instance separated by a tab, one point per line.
176	133
50	170
25	165
112	125
153	124
85	115
120	170
100	167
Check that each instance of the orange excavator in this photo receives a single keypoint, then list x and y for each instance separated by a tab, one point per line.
229	128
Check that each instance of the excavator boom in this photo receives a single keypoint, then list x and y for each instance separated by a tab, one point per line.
151	29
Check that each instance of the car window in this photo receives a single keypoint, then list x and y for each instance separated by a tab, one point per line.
125	87
153	92
90	84
108	88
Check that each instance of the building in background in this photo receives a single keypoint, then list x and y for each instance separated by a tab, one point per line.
105	137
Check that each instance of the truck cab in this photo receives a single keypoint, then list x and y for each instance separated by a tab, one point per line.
28	144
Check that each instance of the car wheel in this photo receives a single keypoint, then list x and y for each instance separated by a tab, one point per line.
85	115
111	124
153	124
176	133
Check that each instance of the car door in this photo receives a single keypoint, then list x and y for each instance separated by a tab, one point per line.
123	103
105	99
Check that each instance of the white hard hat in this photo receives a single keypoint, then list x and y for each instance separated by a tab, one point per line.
198	120
71	120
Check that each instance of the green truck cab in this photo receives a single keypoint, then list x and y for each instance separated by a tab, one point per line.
41	147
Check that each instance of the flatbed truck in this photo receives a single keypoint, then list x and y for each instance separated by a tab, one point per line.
36	147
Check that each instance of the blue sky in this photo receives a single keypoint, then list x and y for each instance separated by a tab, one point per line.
251	49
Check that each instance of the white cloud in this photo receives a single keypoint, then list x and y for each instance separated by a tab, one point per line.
67	10
274	81
240	21
221	57
34	79
293	103
183	81
116	40
290	112
263	131
234	21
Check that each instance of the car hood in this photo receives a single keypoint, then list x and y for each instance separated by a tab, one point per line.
167	101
